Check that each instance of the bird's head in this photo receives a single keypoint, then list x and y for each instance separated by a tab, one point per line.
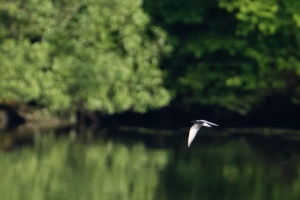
194	121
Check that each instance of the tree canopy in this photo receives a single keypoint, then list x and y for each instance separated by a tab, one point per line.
102	55
233	54
106	55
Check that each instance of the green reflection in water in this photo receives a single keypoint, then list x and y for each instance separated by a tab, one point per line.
235	170
63	170
227	170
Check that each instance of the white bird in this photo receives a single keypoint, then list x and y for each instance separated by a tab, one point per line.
197	125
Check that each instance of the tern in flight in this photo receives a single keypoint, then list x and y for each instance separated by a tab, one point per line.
197	125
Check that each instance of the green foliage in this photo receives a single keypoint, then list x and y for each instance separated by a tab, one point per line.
233	54
102	55
105	55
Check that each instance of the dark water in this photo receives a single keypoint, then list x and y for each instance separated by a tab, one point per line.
241	169
217	169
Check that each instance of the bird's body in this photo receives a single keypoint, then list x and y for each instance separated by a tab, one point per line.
197	125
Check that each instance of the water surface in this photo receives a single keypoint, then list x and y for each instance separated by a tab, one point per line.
215	169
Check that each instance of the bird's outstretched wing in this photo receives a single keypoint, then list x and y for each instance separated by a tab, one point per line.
210	123
193	132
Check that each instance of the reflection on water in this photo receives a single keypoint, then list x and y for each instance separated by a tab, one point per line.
258	169
62	170
229	170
